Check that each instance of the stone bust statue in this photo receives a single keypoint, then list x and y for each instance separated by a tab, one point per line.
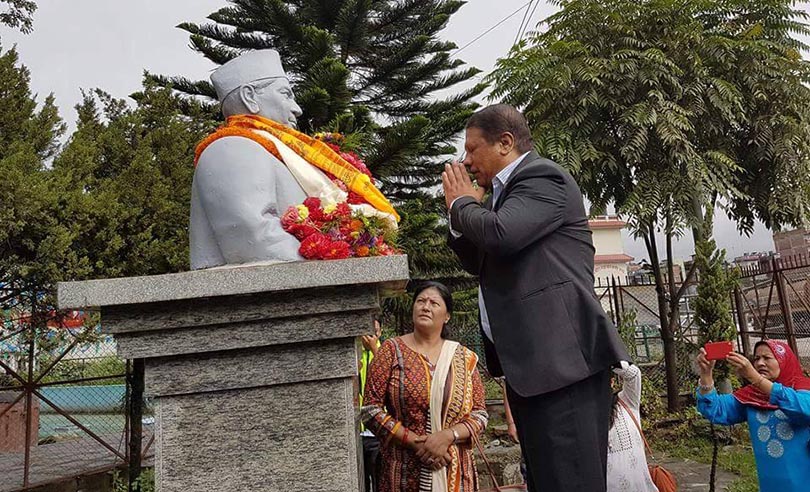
240	190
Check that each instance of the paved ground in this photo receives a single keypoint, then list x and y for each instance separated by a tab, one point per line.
62	460
693	476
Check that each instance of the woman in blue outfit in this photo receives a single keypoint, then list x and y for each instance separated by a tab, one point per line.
776	405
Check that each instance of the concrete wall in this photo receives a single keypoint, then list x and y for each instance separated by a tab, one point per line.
608	241
85	399
12	424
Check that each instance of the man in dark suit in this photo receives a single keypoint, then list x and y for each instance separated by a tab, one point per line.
544	328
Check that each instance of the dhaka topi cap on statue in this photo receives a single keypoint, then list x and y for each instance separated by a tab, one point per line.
252	66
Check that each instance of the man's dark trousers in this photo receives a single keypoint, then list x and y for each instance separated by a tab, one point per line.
560	456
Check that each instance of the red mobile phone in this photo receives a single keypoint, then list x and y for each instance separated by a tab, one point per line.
717	350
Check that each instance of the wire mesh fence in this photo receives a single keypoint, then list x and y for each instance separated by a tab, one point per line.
63	399
773	301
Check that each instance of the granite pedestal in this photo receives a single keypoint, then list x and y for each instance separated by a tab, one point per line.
252	368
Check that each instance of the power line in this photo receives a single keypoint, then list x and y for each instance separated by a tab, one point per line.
491	28
522	21
529	20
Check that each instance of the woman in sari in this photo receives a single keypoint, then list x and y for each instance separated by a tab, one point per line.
776	406
424	399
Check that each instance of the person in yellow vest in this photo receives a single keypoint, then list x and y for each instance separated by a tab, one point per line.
257	165
371	446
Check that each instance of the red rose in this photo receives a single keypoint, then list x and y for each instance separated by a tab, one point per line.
290	217
315	210
301	231
343	210
314	246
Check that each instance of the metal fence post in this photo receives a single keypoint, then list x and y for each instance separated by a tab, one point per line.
616	307
784	304
742	322
136	381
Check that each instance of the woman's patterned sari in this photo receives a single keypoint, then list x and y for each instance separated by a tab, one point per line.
398	395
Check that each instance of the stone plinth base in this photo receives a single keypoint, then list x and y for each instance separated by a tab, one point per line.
253	368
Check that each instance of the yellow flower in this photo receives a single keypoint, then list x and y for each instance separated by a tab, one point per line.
330	208
303	211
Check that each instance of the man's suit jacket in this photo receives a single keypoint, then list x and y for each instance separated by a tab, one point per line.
534	256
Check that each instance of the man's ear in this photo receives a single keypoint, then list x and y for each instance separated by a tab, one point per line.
247	94
507	143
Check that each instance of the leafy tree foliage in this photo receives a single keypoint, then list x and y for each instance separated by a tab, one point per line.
666	108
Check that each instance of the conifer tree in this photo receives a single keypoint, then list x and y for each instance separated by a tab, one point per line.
18	14
31	239
375	67
126	178
713	310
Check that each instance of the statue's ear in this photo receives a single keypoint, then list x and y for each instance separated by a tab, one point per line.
247	94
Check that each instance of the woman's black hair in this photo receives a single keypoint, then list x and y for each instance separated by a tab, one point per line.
447	297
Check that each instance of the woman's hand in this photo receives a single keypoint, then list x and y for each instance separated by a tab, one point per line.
706	369
416	443
743	366
370	343
435	451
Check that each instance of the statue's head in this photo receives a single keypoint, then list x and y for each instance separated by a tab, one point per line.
255	83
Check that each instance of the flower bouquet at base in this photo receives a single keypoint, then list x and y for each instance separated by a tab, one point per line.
334	231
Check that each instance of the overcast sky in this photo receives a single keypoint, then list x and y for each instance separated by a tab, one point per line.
83	44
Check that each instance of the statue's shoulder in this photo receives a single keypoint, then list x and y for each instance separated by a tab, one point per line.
235	144
235	148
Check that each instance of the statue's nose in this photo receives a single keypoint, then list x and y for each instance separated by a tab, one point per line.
296	110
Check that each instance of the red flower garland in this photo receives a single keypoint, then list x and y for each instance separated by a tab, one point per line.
334	231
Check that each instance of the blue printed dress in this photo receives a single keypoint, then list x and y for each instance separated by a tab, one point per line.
781	437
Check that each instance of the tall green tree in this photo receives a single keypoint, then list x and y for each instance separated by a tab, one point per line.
32	242
668	108
375	67
713	314
713	309
126	182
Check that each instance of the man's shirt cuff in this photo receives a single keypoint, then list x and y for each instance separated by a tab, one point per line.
453	232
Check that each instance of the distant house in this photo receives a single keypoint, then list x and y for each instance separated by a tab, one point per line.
610	259
749	260
792	243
